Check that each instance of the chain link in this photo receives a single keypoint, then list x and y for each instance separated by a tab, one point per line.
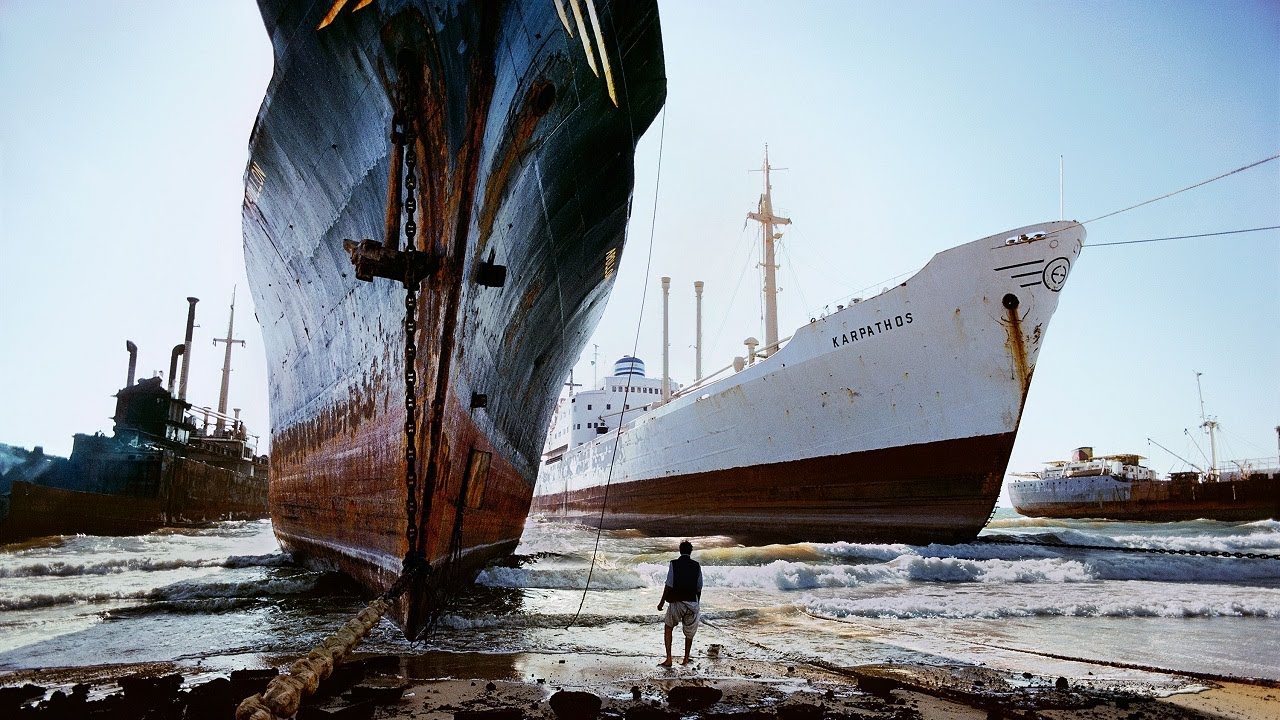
410	353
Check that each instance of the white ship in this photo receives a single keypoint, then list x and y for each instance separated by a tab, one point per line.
890	420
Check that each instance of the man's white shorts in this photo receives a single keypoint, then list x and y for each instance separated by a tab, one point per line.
684	614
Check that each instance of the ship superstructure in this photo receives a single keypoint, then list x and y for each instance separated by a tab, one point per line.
582	416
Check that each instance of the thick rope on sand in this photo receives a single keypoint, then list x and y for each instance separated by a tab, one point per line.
284	694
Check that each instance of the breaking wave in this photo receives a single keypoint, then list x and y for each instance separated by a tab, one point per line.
562	620
61	568
988	608
35	601
782	575
1261	541
58	568
925	568
192	607
855	551
204	589
275	559
272	586
574	578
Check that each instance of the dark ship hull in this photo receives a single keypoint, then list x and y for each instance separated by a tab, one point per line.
159	469
184	493
525	163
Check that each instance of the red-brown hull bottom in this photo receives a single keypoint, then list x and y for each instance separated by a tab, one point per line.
899	495
341	507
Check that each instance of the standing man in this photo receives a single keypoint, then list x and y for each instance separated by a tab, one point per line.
683	591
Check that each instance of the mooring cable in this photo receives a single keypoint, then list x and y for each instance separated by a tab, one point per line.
1185	237
1189	187
626	393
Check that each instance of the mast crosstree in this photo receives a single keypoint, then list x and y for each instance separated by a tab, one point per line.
226	366
764	215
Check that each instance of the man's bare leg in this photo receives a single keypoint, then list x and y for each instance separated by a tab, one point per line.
666	637
688	645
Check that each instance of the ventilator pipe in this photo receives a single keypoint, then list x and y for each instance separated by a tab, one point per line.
751	344
178	351
666	340
186	353
133	361
697	343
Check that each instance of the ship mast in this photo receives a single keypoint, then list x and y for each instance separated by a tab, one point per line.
226	366
1209	426
768	220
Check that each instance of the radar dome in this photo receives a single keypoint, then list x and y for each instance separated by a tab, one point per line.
627	365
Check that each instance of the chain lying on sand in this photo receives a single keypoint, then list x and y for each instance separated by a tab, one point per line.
1126	548
284	694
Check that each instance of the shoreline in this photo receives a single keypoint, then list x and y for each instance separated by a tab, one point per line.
442	685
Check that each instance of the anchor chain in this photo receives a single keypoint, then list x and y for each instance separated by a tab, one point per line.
411	353
283	695
1152	551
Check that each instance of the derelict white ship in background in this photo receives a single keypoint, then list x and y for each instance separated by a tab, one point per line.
890	420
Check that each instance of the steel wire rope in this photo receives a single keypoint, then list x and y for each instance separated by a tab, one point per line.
738	286
1184	463
1184	237
895	278
1187	432
644	294
821	256
1253	447
791	267
1189	187
1179	191
809	309
1148	202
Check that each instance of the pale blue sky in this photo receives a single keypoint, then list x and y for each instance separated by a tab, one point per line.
906	128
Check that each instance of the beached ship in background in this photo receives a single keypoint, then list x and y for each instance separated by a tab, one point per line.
167	464
1118	487
480	153
889	420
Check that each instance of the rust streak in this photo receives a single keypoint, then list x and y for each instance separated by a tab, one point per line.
332	14
1018	350
537	103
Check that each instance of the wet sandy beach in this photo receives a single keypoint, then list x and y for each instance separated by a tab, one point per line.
478	686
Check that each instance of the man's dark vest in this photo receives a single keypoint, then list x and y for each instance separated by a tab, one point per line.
686	572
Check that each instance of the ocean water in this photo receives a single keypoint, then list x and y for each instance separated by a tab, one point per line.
226	597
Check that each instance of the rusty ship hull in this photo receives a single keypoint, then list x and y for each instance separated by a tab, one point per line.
890	420
523	130
1246	497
